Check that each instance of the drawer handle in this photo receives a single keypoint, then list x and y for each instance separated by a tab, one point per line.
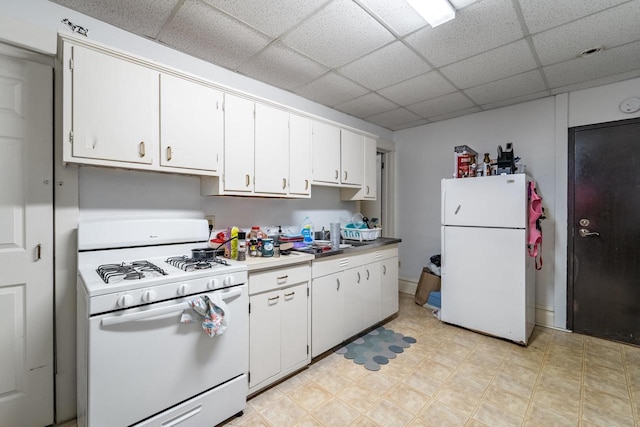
276	298
282	278
289	295
169	154
141	150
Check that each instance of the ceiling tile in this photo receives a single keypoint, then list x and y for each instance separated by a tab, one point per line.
597	82
516	100
282	67
331	89
442	105
541	15
610	28
504	61
380	68
393	117
205	32
366	105
426	86
611	61
338	34
454	114
397	14
273	17
459	4
409	125
510	87
480	27
144	17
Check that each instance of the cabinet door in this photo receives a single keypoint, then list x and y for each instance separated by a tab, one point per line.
300	163
191	124
370	294
351	154
354	280
370	170
264	336
327	308
389	287
326	153
293	326
238	144
271	150
114	108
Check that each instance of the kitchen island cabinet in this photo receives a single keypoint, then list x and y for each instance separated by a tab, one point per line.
279	324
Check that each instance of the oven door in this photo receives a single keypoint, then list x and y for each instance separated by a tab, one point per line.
142	360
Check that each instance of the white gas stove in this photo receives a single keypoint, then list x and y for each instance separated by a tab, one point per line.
138	363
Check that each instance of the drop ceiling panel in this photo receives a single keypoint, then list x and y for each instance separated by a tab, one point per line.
495	64
442	105
516	100
331	89
393	117
410	124
144	17
597	82
480	27
205	32
398	15
427	86
610	28
511	87
273	17
541	15
366	105
281	66
611	61
454	114
338	34
379	69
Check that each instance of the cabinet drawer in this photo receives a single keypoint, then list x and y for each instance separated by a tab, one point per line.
279	278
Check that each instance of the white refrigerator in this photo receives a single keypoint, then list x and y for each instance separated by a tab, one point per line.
488	281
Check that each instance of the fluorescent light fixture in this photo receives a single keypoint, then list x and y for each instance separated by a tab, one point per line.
435	12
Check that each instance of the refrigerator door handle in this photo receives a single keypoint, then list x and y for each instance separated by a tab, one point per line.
457	210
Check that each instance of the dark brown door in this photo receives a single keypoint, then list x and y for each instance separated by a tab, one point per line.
604	230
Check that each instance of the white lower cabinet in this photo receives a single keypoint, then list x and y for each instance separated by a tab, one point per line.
278	324
351	294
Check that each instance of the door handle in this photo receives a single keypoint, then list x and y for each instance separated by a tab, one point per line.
583	232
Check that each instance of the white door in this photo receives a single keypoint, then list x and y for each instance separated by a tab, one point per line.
389	303
354	279
370	168
271	150
191	124
26	244
264	336
371	294
352	157
293	326
300	155
327	308
490	201
326	153
239	126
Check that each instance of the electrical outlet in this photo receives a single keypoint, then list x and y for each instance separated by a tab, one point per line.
211	219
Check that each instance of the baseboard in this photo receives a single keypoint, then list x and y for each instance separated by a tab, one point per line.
544	317
407	286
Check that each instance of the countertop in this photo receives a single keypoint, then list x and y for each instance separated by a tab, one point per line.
263	263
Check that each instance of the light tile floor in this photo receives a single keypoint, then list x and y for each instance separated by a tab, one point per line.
455	377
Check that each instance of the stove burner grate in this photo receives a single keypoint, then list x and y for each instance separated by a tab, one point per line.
132	271
189	264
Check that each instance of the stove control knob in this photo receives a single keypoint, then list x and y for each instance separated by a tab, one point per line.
213	283
229	280
149	296
125	300
184	289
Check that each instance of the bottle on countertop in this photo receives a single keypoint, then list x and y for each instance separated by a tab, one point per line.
242	246
306	230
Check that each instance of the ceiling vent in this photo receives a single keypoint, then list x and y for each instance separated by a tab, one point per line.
591	51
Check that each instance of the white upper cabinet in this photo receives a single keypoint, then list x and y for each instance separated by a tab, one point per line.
113	111
191	124
300	156
326	153
239	153
368	190
351	156
271	150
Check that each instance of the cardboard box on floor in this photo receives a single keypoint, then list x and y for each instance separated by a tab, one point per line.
428	282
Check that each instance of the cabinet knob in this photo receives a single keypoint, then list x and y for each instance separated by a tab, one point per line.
367	189
345	175
337	174
290	294
367	274
384	269
338	288
306	184
247	179
141	149
358	277
274	299
38	251
284	183
282	278
169	153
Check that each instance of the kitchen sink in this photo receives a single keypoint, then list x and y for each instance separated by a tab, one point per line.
359	243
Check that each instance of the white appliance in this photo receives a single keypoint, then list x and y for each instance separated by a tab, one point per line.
137	363
488	282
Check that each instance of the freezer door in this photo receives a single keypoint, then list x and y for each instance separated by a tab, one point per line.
484	281
490	201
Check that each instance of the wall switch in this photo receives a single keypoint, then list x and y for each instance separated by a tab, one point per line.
211	219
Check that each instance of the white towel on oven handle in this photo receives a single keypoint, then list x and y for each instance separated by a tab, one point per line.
212	312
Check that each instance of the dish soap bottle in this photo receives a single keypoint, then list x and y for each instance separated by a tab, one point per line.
307	230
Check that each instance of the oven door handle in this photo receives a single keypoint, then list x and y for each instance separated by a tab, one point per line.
123	318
